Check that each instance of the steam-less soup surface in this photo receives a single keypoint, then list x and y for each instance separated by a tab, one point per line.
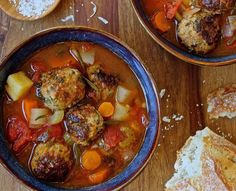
200	26
75	114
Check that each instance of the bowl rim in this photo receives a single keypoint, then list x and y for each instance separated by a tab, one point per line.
179	53
141	63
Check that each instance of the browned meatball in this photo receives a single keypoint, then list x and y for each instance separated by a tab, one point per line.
51	161
200	32
84	124
62	88
106	83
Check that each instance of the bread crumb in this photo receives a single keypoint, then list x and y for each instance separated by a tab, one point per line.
103	20
166	119
68	18
162	93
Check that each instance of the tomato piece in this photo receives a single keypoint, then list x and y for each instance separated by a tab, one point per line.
36	76
112	136
19	133
55	131
38	66
86	47
172	8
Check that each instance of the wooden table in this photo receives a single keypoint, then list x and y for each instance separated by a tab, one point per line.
186	85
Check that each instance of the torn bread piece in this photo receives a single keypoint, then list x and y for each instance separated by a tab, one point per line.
222	102
207	162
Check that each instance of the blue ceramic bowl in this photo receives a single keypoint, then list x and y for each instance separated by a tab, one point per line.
14	61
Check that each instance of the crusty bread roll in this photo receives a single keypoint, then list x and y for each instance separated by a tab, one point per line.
207	162
222	102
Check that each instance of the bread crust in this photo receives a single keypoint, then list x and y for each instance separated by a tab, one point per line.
222	102
217	166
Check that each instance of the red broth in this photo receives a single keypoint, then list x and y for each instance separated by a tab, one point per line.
114	158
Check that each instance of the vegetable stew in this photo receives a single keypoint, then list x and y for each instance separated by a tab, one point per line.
210	24
75	114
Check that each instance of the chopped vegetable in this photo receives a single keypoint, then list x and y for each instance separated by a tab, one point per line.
99	176
76	55
38	66
38	117
77	153
87	55
187	2
56	118
121	112
124	95
106	109
55	131
18	132
226	31
91	84
232	22
129	137
191	11
161	22
68	139
112	136
178	16
91	159
231	41
27	105
172	8
18	85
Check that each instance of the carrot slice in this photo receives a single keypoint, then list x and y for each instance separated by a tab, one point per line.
28	104
99	176
106	109
161	22
91	159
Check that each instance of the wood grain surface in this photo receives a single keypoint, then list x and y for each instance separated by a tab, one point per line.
186	85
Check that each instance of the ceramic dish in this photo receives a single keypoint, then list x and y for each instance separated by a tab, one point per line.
43	39
175	50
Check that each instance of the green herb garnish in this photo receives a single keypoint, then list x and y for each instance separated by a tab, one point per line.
76	55
40	117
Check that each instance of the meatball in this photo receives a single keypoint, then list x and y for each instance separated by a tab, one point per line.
62	88
106	83
217	6
51	161
84	124
199	32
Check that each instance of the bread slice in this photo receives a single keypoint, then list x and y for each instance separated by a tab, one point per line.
222	102
207	162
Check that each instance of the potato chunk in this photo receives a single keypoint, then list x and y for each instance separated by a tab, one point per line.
18	84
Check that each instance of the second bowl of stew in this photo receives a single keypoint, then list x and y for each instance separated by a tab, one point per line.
79	111
201	32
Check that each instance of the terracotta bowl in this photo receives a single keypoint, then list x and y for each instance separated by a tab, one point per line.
17	57
10	9
175	50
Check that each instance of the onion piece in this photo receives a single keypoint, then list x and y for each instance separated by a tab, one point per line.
56	118
88	56
232	22
226	31
121	112
191	12
38	117
124	95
